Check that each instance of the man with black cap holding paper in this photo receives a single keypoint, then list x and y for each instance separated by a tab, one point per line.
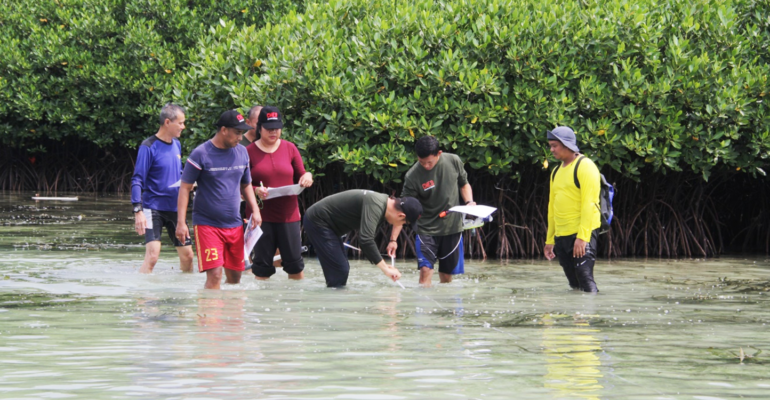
221	168
329	219
573	210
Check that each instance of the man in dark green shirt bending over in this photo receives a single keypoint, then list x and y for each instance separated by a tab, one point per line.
437	180
329	219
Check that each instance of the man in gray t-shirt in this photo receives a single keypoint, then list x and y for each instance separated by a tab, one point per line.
437	180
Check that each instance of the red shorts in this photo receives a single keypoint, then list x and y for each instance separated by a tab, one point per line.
219	247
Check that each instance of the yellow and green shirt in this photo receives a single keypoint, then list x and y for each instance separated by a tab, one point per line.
572	210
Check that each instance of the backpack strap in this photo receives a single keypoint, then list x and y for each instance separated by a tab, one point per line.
577	182
553	173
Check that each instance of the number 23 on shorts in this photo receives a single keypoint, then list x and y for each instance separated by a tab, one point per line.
211	254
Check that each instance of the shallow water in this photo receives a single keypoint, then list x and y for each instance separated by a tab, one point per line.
78	321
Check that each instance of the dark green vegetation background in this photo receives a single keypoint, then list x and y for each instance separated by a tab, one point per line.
666	96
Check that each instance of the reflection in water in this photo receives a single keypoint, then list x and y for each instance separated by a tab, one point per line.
571	357
387	307
78	321
220	347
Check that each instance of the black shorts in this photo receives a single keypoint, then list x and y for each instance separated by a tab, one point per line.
284	236
447	249
156	220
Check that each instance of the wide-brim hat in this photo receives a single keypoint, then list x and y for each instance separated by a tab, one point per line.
566	136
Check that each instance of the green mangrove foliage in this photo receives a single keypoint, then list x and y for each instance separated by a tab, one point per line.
98	70
667	85
668	96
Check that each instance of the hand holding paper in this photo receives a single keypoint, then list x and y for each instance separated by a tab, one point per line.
476	211
250	238
285	191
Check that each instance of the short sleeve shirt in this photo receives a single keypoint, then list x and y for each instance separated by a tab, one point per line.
437	190
220	174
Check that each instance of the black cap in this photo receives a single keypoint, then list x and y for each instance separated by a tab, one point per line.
411	207
270	118
233	119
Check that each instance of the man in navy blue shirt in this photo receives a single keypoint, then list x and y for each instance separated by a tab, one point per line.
220	166
155	188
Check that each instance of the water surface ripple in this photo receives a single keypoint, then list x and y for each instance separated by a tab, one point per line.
78	321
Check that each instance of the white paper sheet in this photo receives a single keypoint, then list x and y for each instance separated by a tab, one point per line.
250	238
476	211
284	191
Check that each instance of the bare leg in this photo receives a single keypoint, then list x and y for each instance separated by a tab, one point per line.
425	276
151	255
213	278
445	278
299	276
233	277
185	258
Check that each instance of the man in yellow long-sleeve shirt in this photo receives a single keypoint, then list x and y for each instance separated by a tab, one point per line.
573	210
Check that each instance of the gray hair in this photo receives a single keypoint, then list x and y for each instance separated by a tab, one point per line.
253	110
170	111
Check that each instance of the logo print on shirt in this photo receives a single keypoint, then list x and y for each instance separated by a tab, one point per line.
428	185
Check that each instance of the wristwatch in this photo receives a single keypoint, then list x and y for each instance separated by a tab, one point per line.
137	208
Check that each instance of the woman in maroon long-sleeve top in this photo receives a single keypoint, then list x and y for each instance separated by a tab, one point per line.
275	162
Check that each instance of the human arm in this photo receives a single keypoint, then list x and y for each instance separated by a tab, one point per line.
389	270
138	179
409	190
248	196
372	214
261	191
406	191
190	174
551	233
140	223
183	199
466	192
301	176
393	243
579	248
247	192
548	252
306	180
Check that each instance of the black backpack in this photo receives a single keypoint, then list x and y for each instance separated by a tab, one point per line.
606	195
